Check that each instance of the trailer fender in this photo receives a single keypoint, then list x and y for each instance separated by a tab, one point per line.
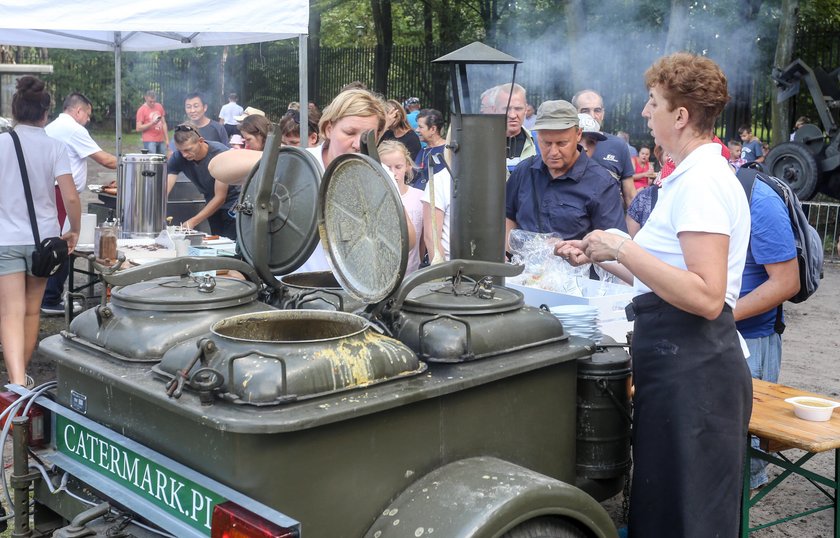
485	497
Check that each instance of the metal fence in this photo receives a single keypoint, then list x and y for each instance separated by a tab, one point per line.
825	218
266	76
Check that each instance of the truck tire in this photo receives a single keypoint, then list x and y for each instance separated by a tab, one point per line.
546	527
793	163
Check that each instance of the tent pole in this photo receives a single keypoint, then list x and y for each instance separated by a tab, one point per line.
303	55
118	87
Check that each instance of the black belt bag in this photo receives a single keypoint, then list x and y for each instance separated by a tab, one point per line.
51	253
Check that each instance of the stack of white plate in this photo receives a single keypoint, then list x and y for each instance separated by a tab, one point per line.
579	320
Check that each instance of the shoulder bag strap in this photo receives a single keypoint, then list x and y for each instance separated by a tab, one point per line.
25	178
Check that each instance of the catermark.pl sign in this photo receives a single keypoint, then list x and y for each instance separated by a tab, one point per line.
186	500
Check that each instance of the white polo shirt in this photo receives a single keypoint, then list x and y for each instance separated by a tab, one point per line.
443	201
80	145
701	195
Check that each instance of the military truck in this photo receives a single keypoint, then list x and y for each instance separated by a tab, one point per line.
810	163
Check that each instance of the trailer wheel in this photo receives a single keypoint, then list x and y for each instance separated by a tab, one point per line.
546	527
793	163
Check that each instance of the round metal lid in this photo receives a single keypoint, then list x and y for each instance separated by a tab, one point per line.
143	158
276	220
363	227
465	297
184	294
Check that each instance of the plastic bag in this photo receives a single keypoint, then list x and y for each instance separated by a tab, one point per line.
542	268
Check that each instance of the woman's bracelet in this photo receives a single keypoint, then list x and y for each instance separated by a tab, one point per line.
618	249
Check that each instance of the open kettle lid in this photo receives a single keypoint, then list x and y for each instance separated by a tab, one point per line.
363	227
276	221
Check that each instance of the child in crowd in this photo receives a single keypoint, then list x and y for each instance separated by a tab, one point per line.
735	159
751	149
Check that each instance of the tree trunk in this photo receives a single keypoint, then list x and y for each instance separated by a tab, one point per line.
428	28
575	29
448	23
784	55
738	112
222	66
381	10
677	38
314	55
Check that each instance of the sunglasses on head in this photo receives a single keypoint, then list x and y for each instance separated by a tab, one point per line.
184	128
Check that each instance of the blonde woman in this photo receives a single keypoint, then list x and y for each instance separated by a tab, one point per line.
351	113
343	122
396	158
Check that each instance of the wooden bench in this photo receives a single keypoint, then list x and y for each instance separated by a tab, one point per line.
778	429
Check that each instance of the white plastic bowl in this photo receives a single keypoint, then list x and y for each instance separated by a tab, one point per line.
812	408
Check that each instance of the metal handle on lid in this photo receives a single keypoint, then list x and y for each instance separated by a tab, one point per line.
175	266
450	269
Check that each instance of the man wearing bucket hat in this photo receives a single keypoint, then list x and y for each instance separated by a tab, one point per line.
561	190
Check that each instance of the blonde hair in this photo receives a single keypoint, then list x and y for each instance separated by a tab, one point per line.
352	103
395	146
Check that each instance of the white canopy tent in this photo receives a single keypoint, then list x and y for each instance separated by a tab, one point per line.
148	25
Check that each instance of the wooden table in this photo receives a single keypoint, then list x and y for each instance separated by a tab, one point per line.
778	429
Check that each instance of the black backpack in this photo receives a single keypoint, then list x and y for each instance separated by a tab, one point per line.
809	245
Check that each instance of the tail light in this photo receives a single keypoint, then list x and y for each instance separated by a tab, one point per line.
38	423
232	521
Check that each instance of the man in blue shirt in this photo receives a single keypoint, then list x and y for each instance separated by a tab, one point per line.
561	190
192	157
614	152
771	276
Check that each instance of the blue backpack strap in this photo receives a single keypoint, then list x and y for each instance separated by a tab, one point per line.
747	178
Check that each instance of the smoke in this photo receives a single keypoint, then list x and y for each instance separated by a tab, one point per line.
615	42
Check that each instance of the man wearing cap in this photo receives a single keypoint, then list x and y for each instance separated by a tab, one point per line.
196	111
561	190
412	108
613	153
503	99
590	133
192	157
228	113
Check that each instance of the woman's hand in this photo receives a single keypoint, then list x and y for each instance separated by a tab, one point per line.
72	239
601	246
572	252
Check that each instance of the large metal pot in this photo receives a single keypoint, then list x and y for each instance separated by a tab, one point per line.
266	358
141	193
149	313
317	290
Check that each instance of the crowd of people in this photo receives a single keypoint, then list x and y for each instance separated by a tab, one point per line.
712	265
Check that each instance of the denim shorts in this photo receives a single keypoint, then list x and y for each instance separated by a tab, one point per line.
16	259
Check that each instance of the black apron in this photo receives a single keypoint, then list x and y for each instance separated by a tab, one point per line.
691	412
